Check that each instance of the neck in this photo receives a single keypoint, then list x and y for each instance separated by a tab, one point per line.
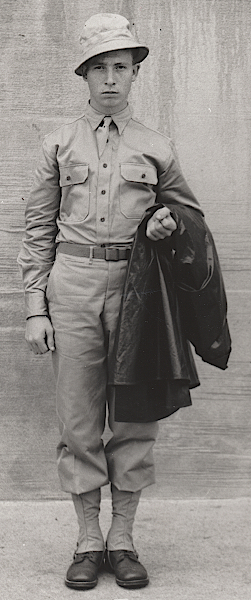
108	110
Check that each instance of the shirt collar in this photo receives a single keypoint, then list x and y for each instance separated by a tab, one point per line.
120	118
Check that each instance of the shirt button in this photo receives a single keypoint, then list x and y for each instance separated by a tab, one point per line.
103	192
143	175
104	165
102	219
68	177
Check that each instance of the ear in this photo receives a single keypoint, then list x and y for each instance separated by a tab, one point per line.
135	70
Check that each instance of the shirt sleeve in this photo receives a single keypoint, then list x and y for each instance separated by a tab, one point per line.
172	186
37	254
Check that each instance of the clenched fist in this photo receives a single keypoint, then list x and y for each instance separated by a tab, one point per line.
40	335
160	225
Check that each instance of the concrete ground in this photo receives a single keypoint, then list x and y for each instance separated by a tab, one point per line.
193	550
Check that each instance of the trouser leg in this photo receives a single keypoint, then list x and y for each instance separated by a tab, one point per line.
129	452
87	507
82	465
76	295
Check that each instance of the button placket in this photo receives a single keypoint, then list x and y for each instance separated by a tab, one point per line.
103	195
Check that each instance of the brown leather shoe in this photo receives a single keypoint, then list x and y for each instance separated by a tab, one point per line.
128	570
83	572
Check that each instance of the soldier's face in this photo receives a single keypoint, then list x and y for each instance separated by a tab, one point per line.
110	76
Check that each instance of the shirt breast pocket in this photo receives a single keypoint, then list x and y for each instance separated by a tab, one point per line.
137	192
75	196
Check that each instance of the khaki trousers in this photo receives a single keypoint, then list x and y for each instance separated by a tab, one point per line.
84	298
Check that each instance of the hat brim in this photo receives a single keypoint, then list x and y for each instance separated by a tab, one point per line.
140	55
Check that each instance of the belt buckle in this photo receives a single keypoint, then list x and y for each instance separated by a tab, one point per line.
112	254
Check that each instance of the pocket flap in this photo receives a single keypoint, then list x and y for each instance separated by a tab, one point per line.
139	173
73	174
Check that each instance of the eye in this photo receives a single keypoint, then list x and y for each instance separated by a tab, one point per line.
120	67
98	67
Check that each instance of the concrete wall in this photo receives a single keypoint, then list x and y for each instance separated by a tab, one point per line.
195	86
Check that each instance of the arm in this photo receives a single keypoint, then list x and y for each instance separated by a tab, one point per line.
37	254
172	190
196	269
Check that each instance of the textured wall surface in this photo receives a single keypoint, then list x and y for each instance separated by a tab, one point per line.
195	86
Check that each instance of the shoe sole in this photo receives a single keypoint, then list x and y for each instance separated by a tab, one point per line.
138	583
81	585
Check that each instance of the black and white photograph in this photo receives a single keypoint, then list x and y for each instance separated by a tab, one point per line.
125	353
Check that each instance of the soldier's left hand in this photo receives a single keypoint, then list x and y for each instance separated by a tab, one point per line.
160	225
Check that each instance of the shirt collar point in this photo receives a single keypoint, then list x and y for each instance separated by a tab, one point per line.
120	119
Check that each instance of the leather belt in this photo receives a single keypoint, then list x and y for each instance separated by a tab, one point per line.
105	253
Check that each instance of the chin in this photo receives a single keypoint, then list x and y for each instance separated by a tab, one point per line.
111	99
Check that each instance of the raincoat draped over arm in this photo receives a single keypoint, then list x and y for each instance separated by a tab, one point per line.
173	295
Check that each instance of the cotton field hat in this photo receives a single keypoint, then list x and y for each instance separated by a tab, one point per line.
105	32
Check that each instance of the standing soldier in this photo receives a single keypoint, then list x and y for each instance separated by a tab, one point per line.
96	178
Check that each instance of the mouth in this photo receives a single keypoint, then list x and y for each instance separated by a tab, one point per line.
109	93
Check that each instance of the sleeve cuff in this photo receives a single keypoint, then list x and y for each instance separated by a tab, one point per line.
36	304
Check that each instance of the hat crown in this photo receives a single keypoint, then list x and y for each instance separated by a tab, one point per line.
107	32
104	22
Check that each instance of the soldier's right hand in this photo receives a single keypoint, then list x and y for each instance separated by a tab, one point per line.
39	334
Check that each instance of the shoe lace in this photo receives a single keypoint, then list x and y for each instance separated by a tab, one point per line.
81	556
129	554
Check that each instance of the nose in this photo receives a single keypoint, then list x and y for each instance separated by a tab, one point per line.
110	76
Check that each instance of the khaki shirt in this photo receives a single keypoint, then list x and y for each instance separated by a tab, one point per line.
80	197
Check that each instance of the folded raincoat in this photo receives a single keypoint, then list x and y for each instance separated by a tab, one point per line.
173	295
